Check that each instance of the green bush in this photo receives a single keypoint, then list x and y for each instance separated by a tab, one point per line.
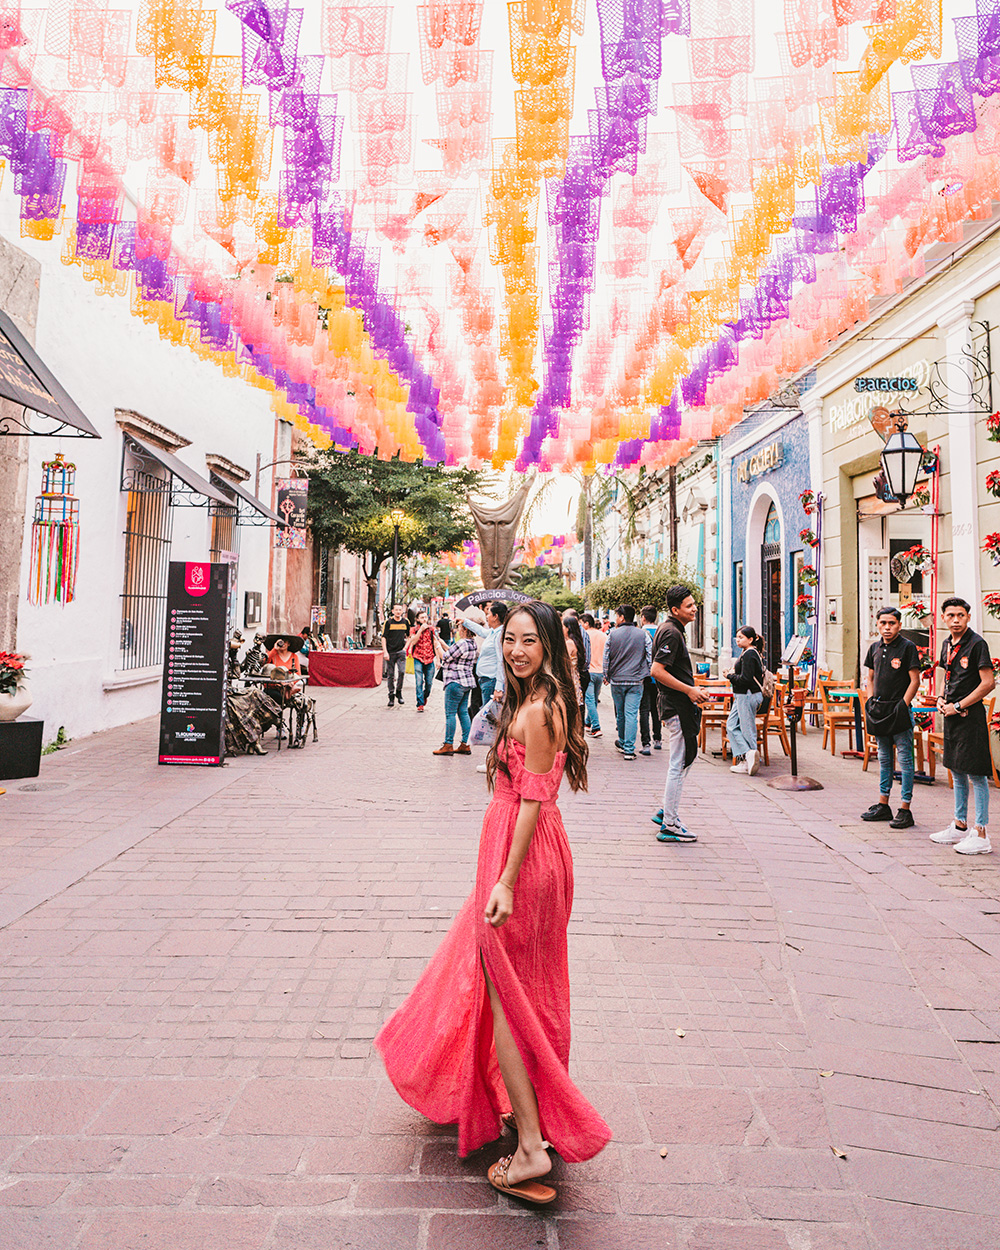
561	600
647	584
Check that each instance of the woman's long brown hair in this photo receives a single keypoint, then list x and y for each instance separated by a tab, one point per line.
555	680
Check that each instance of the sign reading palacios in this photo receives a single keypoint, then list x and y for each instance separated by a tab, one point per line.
763	460
872	392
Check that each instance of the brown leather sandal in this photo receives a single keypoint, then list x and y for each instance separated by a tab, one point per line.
528	1191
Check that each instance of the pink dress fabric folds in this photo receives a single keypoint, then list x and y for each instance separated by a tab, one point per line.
438	1046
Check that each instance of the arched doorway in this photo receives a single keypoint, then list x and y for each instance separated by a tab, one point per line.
770	587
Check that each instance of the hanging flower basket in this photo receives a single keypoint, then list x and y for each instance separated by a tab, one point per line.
993	427
991	545
804	601
808	500
808	575
808	537
991	603
993	483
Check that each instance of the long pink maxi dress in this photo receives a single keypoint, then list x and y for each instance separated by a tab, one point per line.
438	1046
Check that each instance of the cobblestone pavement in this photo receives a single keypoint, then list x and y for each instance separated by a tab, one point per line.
801	1011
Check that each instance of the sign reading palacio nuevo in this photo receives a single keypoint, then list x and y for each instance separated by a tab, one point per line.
762	461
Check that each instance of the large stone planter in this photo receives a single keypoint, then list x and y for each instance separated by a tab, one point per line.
12	705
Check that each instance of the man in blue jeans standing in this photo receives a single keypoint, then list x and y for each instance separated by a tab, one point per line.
680	709
892	677
627	655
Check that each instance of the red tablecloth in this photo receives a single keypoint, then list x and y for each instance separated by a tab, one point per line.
345	668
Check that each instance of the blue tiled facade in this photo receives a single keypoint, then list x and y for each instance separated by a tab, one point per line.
787	481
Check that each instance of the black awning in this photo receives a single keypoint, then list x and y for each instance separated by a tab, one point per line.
25	380
258	505
179	469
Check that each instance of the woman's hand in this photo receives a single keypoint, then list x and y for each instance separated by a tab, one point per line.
500	907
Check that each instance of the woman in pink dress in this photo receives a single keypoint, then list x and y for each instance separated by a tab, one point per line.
484	1037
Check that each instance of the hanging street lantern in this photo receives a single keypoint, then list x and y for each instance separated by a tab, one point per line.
901	459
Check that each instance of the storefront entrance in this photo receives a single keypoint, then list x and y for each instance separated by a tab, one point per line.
770	586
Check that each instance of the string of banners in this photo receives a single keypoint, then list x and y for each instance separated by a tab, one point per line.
314	199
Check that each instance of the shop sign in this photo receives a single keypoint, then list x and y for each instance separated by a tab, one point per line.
886	384
762	461
293	496
857	410
193	706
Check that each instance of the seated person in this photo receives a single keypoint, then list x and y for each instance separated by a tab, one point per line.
282	654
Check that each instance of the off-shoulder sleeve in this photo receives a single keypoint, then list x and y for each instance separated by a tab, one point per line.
536	786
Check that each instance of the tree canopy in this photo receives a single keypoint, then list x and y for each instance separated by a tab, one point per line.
351	496
647	584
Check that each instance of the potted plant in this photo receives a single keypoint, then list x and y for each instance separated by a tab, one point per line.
991	545
917	613
993	427
808	537
808	575
993	483
15	696
991	603
808	501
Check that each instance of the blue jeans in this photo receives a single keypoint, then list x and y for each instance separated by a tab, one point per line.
981	794
486	687
676	772
903	743
423	672
741	725
456	702
590	700
626	700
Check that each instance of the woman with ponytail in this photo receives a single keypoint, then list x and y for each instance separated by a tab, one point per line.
483	1039
747	681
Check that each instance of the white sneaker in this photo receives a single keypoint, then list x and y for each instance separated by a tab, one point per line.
752	763
741	767
974	844
480	768
949	835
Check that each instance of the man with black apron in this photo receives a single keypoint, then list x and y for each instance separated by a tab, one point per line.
968	677
892	678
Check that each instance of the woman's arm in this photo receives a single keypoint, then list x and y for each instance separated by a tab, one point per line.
539	757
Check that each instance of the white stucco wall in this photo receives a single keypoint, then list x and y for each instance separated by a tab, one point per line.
106	359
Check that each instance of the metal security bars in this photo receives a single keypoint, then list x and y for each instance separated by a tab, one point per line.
148	527
225	530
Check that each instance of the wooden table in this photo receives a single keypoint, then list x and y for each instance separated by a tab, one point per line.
359	669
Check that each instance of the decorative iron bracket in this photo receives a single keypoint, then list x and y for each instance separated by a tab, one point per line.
150	476
32	424
975	395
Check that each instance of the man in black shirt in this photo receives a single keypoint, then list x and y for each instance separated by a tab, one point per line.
680	708
892	676
968	678
395	632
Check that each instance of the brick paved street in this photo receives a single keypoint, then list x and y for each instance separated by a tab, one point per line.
195	964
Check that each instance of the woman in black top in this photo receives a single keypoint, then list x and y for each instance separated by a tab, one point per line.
747	681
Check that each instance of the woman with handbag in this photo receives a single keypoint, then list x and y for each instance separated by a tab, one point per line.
483	1039
747	680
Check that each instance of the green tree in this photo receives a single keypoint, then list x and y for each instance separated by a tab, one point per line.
544	583
437	579
647	584
351	496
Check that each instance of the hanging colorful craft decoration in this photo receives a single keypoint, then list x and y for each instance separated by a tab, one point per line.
55	536
270	187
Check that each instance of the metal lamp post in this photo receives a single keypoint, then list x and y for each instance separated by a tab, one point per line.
901	459
397	516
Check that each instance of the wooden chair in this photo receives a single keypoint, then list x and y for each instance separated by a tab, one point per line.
871	742
813	705
776	722
837	713
714	715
